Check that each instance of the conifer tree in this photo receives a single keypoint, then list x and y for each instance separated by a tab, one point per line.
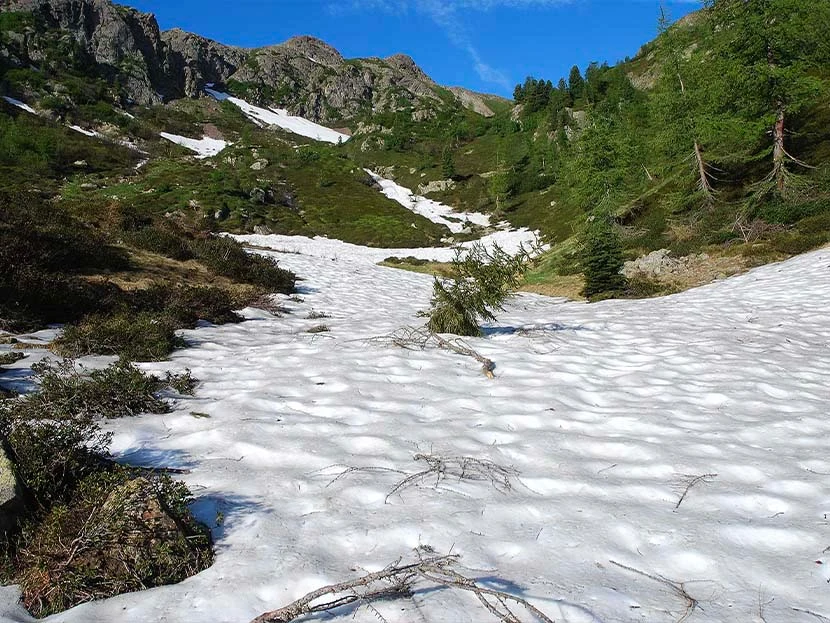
602	260
483	280
576	85
681	117
447	164
773	48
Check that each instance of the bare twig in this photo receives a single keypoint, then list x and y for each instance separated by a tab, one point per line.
761	605
397	580
820	617
469	468
692	481
421	338
679	589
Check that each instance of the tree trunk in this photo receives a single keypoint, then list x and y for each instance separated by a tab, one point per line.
704	183
779	154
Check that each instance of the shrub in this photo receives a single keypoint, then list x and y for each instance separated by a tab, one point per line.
225	256
162	241
602	258
119	390
10	358
39	246
119	533
140	336
793	243
31	297
33	234
92	529
188	304
818	224
482	281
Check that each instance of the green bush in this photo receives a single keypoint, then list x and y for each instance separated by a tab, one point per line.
162	241
188	304
119	390
482	281
225	256
142	336
40	246
33	233
31	297
53	434
818	224
794	243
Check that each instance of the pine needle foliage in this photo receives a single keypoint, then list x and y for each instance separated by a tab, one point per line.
602	257
483	279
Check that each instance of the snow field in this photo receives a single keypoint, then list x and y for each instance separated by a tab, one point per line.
281	118
328	248
607	411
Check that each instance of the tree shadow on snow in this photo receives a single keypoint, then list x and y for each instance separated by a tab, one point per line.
216	511
305	290
155	459
18	380
220	513
530	329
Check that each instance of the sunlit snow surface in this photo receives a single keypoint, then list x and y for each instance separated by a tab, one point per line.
433	210
281	118
204	147
20	105
607	410
84	131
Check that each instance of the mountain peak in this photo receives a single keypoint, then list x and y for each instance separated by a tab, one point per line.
313	48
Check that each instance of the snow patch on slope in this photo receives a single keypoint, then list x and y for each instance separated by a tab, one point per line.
90	133
20	104
281	118
205	147
436	212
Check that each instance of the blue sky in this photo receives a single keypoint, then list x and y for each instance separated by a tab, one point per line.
485	45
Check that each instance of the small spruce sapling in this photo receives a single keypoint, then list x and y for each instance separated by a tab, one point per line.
447	165
482	281
602	257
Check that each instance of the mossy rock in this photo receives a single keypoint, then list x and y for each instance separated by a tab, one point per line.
119	534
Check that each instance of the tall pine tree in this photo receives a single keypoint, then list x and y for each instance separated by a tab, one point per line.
773	48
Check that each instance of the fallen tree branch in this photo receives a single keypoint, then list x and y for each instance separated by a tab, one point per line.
679	589
422	338
468	468
398	580
694	480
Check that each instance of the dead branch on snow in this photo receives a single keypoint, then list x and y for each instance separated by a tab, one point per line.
399	580
690	482
421	338
678	588
463	468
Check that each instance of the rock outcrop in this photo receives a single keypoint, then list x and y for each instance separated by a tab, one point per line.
660	263
10	498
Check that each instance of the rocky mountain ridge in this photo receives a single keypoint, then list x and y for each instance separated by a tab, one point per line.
304	75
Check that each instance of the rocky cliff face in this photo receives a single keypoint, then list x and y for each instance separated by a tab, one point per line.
122	42
304	74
